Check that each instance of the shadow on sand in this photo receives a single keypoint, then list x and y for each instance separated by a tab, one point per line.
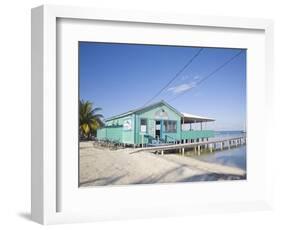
213	177
101	181
195	178
176	172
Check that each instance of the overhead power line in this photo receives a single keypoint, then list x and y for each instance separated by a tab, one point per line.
211	74
177	74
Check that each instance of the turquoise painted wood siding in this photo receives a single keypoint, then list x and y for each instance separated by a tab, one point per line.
115	131
101	134
151	116
126	128
111	133
194	134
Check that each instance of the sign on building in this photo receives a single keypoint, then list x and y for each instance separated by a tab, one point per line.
127	125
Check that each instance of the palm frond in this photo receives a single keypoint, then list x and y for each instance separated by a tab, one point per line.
89	119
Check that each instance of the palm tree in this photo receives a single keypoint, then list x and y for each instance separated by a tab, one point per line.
89	119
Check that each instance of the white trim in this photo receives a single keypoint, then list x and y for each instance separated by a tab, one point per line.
196	117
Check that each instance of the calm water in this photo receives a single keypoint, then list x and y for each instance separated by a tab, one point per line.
235	157
227	134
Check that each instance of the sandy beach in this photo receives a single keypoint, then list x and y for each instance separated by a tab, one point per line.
101	166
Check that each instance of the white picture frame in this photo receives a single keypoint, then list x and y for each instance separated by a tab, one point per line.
47	178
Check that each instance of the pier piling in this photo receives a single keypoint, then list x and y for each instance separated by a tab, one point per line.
211	148
211	145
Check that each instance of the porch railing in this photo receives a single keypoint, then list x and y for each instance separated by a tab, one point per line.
195	134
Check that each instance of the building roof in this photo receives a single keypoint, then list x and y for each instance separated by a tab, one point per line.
144	108
191	118
188	118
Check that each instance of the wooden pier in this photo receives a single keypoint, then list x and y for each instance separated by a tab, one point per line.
213	145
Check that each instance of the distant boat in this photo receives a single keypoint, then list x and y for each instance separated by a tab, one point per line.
245	128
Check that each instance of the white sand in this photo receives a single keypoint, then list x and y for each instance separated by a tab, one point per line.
101	166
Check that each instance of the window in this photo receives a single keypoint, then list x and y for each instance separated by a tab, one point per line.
170	126
143	125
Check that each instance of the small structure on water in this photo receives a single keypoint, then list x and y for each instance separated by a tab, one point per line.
155	124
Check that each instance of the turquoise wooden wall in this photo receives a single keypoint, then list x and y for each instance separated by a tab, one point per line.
115	129
150	116
194	134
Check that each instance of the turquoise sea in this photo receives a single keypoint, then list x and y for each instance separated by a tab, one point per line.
235	157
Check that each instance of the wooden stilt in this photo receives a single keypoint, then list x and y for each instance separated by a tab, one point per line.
211	148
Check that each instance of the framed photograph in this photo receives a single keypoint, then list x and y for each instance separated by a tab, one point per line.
139	115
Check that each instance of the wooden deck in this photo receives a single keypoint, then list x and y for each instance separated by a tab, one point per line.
213	145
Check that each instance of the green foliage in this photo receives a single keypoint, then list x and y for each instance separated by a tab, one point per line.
89	118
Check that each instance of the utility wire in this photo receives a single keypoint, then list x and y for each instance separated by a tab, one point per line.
177	74
211	74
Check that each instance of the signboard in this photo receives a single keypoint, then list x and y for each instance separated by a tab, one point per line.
161	115
143	128
127	125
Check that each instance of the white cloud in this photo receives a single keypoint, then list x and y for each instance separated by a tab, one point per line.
195	77
184	77
182	87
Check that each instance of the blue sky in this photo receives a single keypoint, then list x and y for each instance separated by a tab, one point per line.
121	77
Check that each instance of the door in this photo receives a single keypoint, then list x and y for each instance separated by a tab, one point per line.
158	129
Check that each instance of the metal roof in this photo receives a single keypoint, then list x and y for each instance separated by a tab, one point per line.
144	108
191	118
188	118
